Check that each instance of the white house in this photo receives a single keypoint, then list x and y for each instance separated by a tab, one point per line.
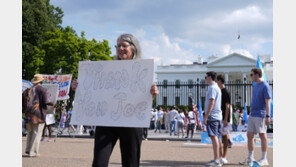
235	67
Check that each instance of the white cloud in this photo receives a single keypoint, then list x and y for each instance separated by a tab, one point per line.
248	15
164	51
202	26
226	50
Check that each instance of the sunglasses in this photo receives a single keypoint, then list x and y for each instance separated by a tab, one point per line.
122	45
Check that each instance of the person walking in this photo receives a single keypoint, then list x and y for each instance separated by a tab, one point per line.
128	48
173	118
180	120
225	126
34	104
49	133
159	118
259	117
191	123
213	117
167	120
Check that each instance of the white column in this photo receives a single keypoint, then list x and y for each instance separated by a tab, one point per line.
244	76
226	77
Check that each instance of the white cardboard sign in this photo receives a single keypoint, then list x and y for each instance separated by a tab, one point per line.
53	92
114	93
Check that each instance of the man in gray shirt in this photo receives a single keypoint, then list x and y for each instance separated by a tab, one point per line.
213	117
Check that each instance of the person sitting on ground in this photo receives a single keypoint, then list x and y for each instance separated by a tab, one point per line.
243	127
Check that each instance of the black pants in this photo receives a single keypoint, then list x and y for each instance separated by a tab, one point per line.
130	145
145	133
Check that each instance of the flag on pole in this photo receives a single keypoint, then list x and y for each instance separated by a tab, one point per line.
245	117
197	116
200	112
238	37
259	65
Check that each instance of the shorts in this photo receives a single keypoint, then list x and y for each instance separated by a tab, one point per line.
224	130
213	127
190	126
256	125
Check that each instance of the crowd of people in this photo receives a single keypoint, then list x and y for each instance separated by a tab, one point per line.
173	120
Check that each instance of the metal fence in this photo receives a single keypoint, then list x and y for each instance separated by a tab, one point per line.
182	93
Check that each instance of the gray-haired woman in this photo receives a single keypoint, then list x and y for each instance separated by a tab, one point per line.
127	48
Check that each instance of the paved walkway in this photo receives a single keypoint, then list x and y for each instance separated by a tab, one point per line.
78	152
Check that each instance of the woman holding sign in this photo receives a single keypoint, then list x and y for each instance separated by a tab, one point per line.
127	48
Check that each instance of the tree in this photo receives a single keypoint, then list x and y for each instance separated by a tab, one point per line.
63	49
38	17
49	48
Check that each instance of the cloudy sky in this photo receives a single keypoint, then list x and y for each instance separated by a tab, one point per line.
174	31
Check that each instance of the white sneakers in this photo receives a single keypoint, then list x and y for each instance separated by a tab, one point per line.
223	161
247	161
217	163
263	162
214	163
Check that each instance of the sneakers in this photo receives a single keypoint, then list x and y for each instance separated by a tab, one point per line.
214	163
49	140
223	161
263	162
247	161
42	140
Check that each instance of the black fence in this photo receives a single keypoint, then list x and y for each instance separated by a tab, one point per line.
182	93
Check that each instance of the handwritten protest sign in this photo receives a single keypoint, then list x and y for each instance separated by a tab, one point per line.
113	93
64	82
53	91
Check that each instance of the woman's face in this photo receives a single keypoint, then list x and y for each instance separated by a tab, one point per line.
124	50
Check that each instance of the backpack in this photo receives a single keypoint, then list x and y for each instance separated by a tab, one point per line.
31	106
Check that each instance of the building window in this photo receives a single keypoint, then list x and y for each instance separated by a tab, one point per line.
177	83
177	100
164	100
190	83
165	83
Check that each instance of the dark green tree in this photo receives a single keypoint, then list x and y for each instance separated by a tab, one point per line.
63	49
38	17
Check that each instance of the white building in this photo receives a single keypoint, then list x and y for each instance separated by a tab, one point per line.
235	67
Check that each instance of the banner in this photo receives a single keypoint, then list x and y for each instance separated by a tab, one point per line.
114	93
26	84
64	82
238	138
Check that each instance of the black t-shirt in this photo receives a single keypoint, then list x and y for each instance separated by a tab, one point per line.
225	99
